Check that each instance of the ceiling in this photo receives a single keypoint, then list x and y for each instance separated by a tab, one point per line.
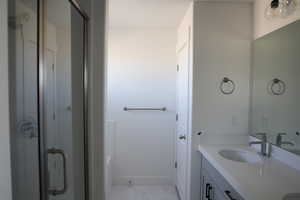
146	13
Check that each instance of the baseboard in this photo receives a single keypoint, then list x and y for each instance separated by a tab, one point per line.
143	180
108	179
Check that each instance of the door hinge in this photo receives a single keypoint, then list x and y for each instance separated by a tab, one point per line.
176	165
177	68
53	67
177	117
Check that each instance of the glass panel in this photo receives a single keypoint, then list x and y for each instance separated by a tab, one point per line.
64	100
276	94
23	98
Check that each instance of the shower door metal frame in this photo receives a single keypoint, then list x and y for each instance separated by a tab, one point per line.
43	163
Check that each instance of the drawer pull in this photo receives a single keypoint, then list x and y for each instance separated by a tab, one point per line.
207	190
228	194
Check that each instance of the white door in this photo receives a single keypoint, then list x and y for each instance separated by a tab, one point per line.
182	119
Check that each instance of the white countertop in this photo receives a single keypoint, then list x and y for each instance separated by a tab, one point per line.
269	180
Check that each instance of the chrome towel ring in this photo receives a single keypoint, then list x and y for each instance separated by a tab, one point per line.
276	87
227	86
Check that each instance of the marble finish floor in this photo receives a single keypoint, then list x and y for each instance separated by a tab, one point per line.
143	192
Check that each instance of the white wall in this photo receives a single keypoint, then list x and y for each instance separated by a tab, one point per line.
264	26
5	171
142	72
222	48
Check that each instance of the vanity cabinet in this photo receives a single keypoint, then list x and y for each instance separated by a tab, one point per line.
214	186
210	190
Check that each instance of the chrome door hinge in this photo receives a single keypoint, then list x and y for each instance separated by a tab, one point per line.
176	165
177	68
177	117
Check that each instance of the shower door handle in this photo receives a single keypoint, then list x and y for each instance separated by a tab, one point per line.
62	190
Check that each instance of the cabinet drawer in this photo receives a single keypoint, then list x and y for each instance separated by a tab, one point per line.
223	186
208	187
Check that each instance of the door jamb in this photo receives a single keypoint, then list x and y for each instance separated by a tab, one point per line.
187	42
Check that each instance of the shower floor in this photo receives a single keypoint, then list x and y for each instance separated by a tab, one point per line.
143	192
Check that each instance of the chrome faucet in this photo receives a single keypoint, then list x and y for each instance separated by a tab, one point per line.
265	146
279	141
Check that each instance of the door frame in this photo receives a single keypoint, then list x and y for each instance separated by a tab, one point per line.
178	52
41	52
187	42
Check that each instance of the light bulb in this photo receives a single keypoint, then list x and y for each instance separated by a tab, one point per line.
289	6
280	8
271	10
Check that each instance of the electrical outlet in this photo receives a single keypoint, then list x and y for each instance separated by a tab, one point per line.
234	121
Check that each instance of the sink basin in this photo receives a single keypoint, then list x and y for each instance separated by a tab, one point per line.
241	156
292	197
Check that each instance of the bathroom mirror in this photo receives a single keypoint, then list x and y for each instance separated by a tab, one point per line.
275	103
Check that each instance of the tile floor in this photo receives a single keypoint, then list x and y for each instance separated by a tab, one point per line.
143	192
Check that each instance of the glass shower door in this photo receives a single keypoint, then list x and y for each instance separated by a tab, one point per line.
64	101
23	76
48	119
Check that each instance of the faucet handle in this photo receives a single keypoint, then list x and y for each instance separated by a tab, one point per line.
264	136
261	134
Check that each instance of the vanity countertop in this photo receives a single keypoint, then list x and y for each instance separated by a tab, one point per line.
268	180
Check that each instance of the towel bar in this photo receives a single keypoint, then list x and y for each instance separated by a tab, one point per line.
145	109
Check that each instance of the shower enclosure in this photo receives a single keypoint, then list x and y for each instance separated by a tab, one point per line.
48	98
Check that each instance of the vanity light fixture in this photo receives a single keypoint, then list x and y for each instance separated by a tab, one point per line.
280	8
